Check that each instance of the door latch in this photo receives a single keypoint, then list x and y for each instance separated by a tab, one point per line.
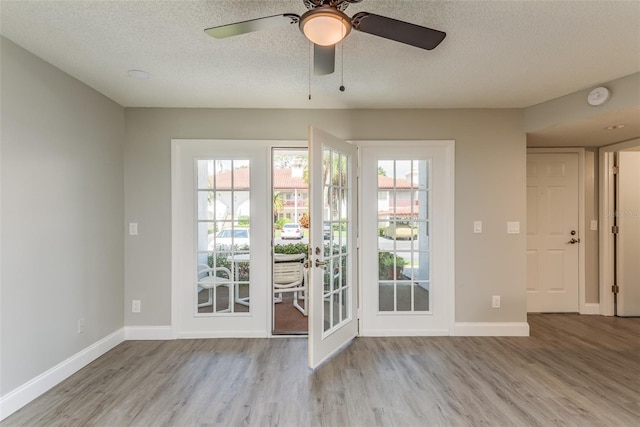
321	263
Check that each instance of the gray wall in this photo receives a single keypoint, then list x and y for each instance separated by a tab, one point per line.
490	183
62	216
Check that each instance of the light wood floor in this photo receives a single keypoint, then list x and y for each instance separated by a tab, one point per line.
573	370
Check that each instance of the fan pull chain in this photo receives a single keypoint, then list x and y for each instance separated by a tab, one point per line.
342	88
310	70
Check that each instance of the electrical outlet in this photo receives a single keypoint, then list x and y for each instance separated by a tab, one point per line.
133	228
81	325
136	306
495	303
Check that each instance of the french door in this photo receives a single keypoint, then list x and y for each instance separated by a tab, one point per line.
333	267
221	238
407	238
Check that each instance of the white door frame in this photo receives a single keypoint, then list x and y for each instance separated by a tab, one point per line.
606	221
583	307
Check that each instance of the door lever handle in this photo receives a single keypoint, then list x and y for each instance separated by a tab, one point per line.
573	241
321	263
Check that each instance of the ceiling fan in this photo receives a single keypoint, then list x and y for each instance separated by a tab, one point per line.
325	24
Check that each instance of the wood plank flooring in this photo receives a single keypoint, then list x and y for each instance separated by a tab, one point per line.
573	371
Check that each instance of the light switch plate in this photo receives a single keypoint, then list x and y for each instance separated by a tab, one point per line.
513	227
477	226
594	225
495	301
133	228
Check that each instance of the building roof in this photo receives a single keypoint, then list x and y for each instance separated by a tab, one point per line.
284	180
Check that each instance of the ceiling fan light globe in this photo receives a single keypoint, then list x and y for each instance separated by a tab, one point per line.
325	27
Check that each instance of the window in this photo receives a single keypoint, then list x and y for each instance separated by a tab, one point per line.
404	253
336	216
223	221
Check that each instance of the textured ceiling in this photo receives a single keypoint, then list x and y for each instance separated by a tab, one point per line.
496	54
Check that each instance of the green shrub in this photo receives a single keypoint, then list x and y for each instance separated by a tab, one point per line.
281	222
290	249
386	268
339	226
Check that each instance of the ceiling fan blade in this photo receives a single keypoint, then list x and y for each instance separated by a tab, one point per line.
259	24
400	31
324	59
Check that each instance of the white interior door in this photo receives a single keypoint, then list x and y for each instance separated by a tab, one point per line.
552	233
407	238
628	218
221	237
333	261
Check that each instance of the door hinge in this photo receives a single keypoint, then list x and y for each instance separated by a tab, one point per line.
615	169
359	313
615	229
615	289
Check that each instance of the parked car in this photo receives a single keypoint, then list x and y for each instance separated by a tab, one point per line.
230	237
292	230
401	231
326	230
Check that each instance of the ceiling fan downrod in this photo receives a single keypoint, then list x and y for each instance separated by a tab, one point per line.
337	4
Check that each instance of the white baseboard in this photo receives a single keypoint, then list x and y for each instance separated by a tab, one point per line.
590	308
135	333
491	329
405	333
16	399
208	335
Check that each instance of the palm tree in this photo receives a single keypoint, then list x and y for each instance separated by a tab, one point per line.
331	166
278	205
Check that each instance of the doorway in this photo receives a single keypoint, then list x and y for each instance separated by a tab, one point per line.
224	282
290	194
620	230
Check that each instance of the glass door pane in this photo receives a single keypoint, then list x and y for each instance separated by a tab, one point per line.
404	255
223	236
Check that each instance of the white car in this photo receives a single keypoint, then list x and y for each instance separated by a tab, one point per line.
230	237
293	230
